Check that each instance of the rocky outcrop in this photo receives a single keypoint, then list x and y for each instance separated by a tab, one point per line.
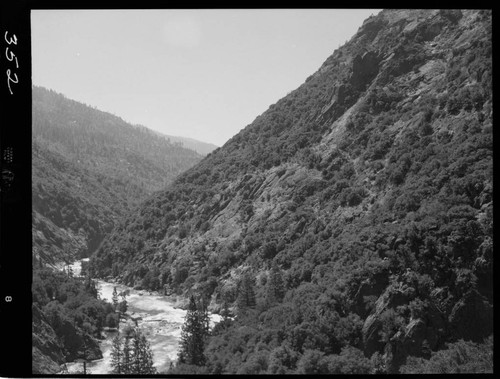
335	107
43	364
420	336
47	350
371	28
51	349
364	69
417	337
472	317
372	327
371	287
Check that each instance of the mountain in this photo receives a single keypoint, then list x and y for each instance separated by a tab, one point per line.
202	148
356	212
89	168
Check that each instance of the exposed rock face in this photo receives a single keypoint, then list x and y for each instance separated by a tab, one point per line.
364	68
47	351
472	317
429	328
372	327
42	363
370	288
421	334
419	338
50	351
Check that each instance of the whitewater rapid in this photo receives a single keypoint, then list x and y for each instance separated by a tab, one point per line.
156	316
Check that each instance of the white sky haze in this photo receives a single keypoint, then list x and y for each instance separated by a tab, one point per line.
204	74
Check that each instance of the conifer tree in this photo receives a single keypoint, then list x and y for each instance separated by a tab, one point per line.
204	317
143	356
116	355
225	313
275	289
115	297
246	292
90	285
194	334
127	353
133	355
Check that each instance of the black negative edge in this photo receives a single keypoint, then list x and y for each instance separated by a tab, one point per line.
15	195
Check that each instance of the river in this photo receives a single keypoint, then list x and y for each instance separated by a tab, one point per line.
159	321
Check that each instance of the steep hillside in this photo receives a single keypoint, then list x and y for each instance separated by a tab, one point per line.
202	148
367	192
67	319
73	207
90	167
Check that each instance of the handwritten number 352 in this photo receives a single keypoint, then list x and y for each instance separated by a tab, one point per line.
11	57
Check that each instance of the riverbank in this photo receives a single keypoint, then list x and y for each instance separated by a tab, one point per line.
159	317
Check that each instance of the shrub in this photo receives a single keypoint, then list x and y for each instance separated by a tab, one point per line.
349	361
458	358
311	363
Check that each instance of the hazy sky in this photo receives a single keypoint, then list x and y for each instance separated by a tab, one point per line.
204	74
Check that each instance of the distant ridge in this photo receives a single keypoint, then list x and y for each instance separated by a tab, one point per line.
202	148
89	168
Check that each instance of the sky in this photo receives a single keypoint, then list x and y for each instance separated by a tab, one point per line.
203	74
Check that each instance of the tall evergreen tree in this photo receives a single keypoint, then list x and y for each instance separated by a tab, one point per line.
90	285
246	292
194	334
132	354
115	297
226	314
204	317
275	289
127	355
117	355
143	356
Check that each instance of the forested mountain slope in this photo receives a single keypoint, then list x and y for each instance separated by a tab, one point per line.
68	318
202	148
90	167
358	207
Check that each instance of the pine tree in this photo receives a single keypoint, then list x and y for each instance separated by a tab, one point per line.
117	355
127	353
226	314
275	289
133	355
143	356
115	297
246	292
90	285
123	305
194	334
204	317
